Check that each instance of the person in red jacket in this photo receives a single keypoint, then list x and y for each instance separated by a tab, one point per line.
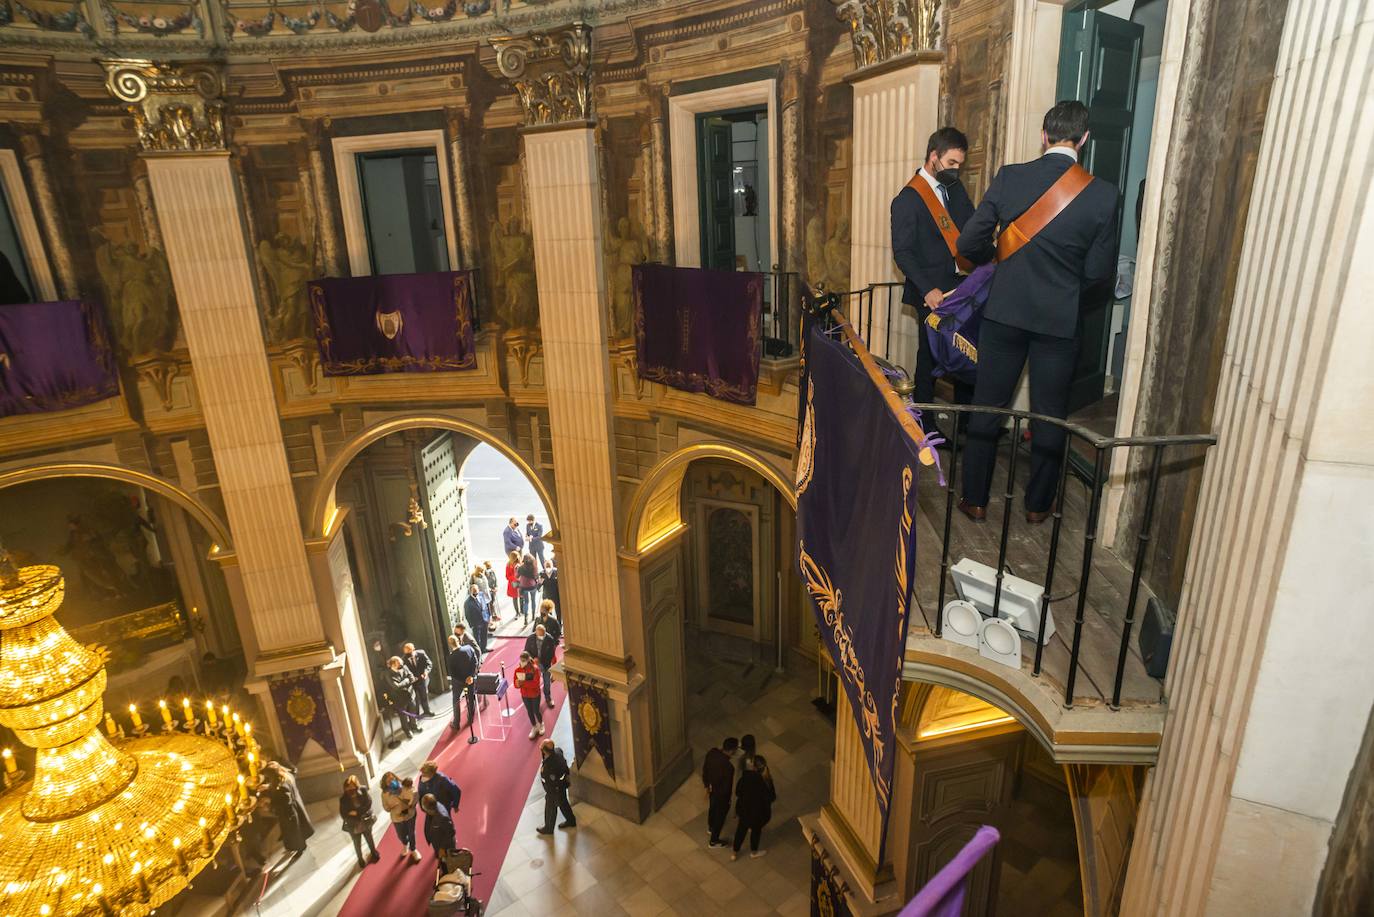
512	586
527	680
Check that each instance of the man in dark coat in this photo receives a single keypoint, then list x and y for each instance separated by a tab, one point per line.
399	695
288	806
548	621
551	582
535	533
511	539
417	661
436	783
1032	308
556	777
718	776
933	205
476	617
462	669
543	648
438	824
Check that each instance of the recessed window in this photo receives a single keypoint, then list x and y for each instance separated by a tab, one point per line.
732	182
403	211
16	286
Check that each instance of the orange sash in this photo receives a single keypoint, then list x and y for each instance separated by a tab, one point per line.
948	230
1050	204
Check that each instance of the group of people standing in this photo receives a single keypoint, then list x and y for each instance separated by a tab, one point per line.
436	794
736	772
1051	228
532	678
403	684
527	572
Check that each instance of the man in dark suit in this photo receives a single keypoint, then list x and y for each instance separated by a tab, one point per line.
462	668
417	661
476	617
544	649
919	245
718	776
556	777
1032	307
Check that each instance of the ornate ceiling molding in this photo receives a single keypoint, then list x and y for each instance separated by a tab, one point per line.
177	108
884	29
551	72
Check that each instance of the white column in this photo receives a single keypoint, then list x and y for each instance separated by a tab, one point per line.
1270	686
198	208
561	172
895	113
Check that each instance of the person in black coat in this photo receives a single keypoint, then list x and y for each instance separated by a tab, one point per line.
754	798
921	252
549	620
462	669
287	806
476	617
355	808
551	582
417	661
438	825
718	776
556	777
1032	308
543	648
399	695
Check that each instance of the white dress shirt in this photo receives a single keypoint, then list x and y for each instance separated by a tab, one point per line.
1064	151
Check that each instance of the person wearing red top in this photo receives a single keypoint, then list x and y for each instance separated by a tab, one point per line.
527	680
512	580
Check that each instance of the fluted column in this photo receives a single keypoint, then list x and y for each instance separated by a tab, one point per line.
462	192
789	230
147	216
895	112
851	818
49	215
661	174
327	225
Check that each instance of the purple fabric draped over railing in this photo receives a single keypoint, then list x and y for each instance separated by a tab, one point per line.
943	895
54	355
954	341
394	323
698	330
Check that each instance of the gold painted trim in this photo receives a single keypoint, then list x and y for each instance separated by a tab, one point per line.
676	464
213	525
321	504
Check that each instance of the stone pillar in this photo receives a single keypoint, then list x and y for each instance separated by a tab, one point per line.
147	216
196	198
661	176
250	224
851	820
49	216
327	227
789	255
462	193
896	107
1267	700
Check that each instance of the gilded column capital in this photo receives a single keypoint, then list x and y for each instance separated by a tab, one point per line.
883	29
551	71
177	108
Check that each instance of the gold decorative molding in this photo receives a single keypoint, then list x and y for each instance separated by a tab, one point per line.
551	72
159	370
306	357
524	346
881	30
177	108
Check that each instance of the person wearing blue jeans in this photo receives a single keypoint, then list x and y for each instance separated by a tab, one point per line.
527	578
398	798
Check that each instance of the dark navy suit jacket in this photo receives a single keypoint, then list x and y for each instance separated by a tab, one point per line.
1038	288
917	246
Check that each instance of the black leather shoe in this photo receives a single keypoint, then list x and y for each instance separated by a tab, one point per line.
544	830
978	514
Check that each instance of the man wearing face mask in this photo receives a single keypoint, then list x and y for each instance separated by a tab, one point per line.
926	218
1057	239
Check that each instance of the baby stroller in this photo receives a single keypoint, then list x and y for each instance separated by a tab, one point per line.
453	887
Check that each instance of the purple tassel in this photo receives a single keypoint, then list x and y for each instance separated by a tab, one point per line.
929	441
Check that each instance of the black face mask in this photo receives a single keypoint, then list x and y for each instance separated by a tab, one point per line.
947	176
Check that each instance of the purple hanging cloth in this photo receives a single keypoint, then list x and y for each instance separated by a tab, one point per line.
943	895
954	340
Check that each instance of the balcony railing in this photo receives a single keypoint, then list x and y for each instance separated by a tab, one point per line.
781	314
1109	617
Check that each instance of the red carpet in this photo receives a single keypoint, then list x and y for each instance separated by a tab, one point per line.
495	777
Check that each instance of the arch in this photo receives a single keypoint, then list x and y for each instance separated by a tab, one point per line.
221	542
654	511
322	499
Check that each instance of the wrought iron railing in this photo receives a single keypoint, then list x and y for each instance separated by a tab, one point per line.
872	311
781	314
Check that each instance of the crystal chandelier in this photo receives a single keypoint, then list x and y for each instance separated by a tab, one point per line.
108	825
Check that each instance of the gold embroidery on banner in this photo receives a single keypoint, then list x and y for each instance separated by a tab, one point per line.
933	320
806	458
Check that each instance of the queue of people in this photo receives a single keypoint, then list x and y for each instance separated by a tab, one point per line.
735	772
435	794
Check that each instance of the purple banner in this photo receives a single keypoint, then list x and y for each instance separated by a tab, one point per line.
698	330
827	896
300	710
943	895
856	543
591	723
394	323
54	355
952	328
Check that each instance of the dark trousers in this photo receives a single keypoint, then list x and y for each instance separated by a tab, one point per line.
1002	352
532	709
422	695
556	801
358	839
548	682
755	833
458	695
716	814
923	375
405	830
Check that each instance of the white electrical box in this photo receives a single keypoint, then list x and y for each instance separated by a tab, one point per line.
1020	601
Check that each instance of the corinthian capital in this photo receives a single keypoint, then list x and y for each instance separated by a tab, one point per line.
551	71
176	107
884	29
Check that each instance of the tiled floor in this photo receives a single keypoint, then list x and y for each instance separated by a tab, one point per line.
610	866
